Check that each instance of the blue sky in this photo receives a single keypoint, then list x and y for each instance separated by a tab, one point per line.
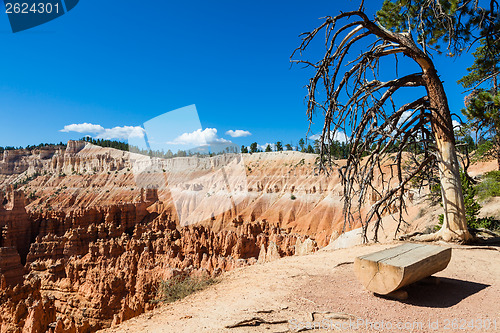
121	63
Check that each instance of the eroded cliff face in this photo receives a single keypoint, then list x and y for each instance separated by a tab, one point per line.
85	243
277	187
98	272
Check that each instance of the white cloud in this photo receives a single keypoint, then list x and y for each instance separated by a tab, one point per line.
238	133
83	128
199	138
339	136
456	124
264	146
123	132
404	117
119	132
315	137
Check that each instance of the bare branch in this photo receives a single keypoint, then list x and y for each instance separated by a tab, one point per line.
382	139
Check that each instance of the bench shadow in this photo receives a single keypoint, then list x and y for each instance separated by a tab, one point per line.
447	293
491	241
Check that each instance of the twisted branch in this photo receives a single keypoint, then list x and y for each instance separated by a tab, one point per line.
389	146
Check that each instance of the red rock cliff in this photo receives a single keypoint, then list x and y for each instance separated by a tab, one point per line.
84	244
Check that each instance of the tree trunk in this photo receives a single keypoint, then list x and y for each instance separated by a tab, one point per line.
455	224
497	129
496	142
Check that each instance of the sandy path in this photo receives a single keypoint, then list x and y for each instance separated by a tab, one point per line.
291	288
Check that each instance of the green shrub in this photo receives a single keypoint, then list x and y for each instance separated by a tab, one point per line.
181	286
435	193
472	207
482	150
487	223
293	197
490	186
440	222
495	174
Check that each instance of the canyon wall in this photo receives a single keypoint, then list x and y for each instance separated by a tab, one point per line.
279	187
86	238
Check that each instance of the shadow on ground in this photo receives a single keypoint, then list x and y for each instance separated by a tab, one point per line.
447	293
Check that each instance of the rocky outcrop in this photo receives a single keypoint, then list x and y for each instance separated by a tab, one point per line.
74	147
11	270
15	224
89	279
12	162
303	247
15	162
79	157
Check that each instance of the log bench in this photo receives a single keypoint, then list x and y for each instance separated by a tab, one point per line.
384	272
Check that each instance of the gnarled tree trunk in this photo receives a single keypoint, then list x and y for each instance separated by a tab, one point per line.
454	226
454	223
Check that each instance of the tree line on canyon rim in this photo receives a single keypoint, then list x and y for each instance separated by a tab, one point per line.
34	147
481	146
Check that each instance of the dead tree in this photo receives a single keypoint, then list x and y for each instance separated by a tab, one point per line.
360	101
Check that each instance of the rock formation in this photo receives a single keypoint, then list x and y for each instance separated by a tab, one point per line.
98	273
11	270
15	223
85	240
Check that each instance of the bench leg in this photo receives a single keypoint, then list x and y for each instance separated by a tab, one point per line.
399	295
432	280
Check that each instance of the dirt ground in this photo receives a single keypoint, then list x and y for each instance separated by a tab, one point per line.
319	292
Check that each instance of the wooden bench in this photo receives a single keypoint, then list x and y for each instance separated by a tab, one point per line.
386	271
